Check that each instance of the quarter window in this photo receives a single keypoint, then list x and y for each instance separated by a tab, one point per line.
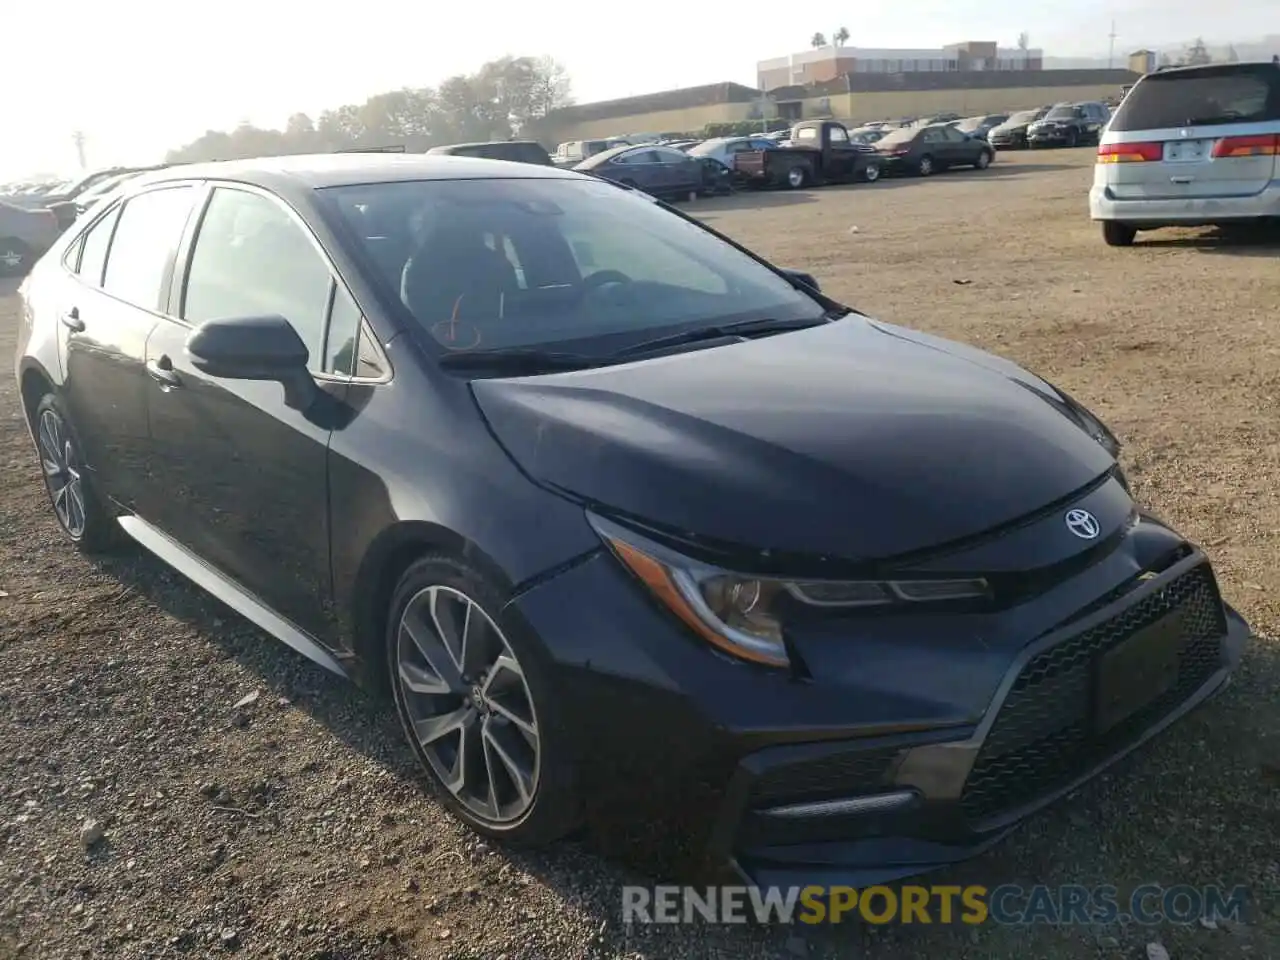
93	248
143	246
252	259
344	331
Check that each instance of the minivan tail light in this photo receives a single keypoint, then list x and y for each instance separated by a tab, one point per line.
1265	145
1130	152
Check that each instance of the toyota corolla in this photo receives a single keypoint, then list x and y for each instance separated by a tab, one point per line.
625	519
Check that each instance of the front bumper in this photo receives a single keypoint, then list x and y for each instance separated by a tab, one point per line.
1007	140
754	774
1189	212
1048	137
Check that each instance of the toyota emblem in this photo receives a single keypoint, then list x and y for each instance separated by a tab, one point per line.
1083	524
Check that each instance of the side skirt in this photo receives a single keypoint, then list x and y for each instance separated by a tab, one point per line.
229	592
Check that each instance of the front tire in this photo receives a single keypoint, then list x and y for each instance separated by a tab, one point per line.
1118	234
81	512
983	161
475	702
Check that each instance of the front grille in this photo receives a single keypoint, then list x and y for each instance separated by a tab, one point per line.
842	774
1043	737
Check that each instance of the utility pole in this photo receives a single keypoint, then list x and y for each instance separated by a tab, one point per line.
79	139
1111	51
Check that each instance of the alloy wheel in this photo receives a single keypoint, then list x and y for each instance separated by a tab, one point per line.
468	706
925	166
872	172
62	473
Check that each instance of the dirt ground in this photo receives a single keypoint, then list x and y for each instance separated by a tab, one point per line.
296	827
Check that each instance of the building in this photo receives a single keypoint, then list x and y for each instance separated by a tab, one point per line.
690	108
1142	61
827	63
861	96
887	96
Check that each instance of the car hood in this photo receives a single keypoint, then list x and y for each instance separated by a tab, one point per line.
856	440
1011	127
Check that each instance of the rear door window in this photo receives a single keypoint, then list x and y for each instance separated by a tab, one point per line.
144	244
1212	96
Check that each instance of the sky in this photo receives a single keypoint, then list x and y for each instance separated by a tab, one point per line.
139	78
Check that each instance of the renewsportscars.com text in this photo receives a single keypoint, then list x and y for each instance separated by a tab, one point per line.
1008	904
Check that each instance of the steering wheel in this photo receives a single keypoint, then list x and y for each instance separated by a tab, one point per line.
604	277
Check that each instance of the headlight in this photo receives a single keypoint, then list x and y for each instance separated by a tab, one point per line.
1092	425
744	615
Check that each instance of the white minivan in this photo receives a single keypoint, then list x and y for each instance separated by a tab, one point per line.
1190	146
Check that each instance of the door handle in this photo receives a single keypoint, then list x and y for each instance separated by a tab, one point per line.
1181	180
161	371
71	320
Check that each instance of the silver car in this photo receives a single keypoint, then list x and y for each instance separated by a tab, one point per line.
1190	146
24	236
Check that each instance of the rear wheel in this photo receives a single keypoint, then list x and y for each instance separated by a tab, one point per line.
925	166
15	257
797	177
475	702
79	510
871	172
1118	234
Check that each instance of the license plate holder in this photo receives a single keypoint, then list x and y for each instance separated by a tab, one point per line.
1138	671
1186	151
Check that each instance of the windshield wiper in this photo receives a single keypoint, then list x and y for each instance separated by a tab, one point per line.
519	360
739	328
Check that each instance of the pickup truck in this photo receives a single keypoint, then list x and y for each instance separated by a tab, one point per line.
820	151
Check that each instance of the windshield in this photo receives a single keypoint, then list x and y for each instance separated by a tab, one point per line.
490	263
1245	93
1062	112
707	148
901	135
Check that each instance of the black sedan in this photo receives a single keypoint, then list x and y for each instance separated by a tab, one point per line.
628	522
927	150
659	171
1012	134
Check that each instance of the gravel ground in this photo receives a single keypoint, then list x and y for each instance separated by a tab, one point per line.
248	803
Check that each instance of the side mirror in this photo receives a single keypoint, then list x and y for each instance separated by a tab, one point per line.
255	348
797	277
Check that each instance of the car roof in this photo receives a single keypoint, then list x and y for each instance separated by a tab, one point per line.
316	171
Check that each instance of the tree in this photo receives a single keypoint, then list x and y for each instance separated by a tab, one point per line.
818	40
1195	55
498	100
841	37
1024	41
1232	56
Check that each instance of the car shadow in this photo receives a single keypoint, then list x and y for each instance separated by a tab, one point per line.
1007	169
1244	241
751	200
613	854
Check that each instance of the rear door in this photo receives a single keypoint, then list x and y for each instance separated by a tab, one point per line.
1211	132
123	266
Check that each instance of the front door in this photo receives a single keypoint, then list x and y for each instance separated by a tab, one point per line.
122	267
242	479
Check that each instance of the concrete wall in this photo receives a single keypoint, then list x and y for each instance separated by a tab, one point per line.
919	103
675	121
